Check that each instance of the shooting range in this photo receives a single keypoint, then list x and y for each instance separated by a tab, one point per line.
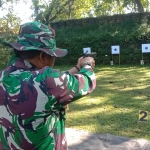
115	50
109	113
145	49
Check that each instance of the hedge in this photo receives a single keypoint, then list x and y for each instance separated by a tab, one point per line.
128	34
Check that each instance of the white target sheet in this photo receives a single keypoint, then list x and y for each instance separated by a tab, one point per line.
145	48
115	49
87	50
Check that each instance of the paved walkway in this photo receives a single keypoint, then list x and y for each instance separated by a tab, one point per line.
82	140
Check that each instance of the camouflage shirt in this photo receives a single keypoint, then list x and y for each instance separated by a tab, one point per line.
32	114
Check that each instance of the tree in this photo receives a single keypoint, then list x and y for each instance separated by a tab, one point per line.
9	23
139	5
54	10
110	7
48	11
5	2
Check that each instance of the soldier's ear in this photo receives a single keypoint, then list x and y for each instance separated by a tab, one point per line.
41	57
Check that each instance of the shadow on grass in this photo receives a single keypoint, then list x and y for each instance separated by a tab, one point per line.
114	105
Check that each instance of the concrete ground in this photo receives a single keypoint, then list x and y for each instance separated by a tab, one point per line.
82	140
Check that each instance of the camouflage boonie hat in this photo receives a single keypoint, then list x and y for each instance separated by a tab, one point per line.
37	36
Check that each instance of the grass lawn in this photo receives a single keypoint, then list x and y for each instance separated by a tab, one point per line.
121	92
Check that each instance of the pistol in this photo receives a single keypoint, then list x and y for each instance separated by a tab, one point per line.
93	54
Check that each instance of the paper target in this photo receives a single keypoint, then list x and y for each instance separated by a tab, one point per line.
145	48
87	50
115	49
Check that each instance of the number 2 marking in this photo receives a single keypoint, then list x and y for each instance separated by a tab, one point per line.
143	116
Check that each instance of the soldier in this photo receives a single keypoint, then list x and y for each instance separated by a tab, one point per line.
33	95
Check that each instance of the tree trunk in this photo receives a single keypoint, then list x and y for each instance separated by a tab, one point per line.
139	5
70	5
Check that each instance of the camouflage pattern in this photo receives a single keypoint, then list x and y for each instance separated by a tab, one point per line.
37	36
32	114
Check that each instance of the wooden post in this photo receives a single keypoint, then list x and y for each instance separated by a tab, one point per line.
119	58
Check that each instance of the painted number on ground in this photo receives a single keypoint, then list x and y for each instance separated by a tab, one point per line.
143	116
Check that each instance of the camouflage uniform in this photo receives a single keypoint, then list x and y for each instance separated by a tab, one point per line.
32	114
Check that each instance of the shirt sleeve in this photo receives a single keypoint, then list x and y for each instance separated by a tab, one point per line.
66	87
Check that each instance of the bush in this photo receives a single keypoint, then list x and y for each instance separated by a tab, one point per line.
129	35
5	52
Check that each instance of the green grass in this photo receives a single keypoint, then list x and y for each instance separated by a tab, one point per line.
114	105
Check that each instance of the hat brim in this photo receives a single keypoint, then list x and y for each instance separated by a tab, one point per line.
57	52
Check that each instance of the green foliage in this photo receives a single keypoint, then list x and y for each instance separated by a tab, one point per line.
53	10
9	26
129	35
6	52
110	7
48	11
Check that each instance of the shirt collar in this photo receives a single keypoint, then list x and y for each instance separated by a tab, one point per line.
22	64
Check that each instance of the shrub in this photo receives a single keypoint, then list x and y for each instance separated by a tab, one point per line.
129	35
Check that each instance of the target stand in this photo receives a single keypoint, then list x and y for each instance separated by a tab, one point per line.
115	50
145	49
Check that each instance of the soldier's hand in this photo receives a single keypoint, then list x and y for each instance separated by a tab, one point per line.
86	60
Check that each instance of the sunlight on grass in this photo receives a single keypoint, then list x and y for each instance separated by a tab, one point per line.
140	97
114	105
